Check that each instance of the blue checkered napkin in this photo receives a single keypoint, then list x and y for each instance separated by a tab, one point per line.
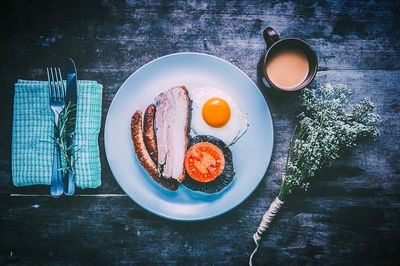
32	147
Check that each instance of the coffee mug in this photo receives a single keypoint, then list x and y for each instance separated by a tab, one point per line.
288	65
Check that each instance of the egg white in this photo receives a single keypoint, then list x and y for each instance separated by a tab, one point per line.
231	131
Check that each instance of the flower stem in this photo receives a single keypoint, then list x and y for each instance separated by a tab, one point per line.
265	223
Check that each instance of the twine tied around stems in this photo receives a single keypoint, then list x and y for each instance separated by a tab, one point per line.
265	222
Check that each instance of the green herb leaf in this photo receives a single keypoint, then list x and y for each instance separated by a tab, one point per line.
64	130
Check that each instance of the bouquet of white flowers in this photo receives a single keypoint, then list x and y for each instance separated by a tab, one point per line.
327	126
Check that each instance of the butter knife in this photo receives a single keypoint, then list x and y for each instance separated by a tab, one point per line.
71	97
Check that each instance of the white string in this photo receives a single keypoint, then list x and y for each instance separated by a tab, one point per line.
265	222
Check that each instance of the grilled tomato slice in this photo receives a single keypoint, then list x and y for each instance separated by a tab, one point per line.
204	161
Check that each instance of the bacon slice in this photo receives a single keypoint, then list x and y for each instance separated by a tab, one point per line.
149	132
144	156
172	124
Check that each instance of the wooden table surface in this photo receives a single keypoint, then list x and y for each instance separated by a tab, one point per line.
351	214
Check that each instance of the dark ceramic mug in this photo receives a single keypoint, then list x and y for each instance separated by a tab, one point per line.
274	45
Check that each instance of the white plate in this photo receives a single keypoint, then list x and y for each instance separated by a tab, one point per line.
251	153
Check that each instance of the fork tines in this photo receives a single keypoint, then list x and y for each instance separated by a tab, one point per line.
56	84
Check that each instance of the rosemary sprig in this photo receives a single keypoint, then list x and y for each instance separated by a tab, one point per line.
63	131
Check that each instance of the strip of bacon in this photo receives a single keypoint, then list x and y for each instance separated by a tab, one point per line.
172	123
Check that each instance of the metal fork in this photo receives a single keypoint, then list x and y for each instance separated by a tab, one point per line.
56	95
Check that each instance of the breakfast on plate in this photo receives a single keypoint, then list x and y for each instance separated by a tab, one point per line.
184	137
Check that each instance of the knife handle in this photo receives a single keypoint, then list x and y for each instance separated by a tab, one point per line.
69	176
70	183
56	186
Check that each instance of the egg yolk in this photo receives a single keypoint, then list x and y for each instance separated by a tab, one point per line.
216	112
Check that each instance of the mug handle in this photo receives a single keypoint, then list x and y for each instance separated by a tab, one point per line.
270	36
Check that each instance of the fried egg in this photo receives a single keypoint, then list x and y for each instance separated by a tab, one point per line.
216	113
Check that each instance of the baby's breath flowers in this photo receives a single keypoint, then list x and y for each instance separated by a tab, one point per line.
328	125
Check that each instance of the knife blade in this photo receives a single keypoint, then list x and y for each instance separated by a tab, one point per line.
71	98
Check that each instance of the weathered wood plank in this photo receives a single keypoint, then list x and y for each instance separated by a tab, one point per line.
113	230
128	35
128	54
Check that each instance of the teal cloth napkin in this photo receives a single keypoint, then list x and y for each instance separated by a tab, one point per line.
32	147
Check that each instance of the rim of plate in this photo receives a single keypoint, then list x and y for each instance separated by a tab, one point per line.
200	218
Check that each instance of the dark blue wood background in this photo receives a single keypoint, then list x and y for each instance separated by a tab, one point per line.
351	213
